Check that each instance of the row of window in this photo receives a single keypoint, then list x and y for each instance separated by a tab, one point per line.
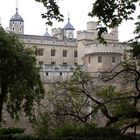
14	29
53	63
47	74
100	59
40	52
14	22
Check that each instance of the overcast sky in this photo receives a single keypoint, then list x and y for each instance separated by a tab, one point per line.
34	24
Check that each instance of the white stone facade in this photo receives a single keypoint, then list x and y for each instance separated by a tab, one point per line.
61	49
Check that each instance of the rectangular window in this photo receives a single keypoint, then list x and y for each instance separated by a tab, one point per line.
40	63
40	51
65	53
53	63
75	63
53	52
99	59
89	60
113	59
75	54
46	73
64	63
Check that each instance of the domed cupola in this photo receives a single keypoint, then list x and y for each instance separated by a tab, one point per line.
69	30
46	34
17	23
16	17
69	26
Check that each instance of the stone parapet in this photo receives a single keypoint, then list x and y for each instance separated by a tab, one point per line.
101	48
55	73
42	40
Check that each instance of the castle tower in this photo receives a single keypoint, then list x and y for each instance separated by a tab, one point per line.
114	34
68	30
16	23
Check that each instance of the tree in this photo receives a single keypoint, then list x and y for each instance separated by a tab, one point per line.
111	13
83	99
20	84
52	11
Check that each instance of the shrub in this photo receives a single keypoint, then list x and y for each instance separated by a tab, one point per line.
88	132
12	130
18	137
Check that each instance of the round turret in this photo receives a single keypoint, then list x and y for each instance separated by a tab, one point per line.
17	23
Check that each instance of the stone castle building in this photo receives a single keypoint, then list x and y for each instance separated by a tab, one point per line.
60	53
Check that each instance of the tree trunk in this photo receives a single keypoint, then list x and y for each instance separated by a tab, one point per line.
2	98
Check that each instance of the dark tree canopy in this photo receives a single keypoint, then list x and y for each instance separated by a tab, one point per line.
20	84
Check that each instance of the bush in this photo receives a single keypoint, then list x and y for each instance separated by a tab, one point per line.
88	132
12	130
18	137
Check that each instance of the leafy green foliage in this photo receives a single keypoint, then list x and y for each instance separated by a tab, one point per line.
52	11
20	84
19	137
86	131
41	125
113	12
135	49
9	131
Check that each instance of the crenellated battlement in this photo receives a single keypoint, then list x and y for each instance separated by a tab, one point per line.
92	26
58	32
92	33
85	35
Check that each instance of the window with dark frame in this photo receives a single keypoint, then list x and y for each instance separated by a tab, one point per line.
89	59
40	63
64	63
53	63
100	59
75	54
75	63
53	52
47	73
40	51
65	53
113	59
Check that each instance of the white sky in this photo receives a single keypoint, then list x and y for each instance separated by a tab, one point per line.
34	24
